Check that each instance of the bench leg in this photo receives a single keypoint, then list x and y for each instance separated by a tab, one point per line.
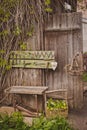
44	103
36	100
14	102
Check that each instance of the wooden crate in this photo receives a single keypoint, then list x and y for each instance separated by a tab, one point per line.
60	94
57	112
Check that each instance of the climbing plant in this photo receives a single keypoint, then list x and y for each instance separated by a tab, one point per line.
17	24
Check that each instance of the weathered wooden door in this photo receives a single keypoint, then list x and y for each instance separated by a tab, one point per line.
63	34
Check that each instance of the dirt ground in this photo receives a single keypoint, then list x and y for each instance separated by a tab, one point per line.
78	119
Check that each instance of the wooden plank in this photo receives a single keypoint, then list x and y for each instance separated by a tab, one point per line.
32	59
53	91
78	85
57	94
35	55
27	90
71	54
32	114
66	40
70	86
31	87
63	29
47	64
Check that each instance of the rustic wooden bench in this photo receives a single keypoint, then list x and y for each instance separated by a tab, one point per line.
29	90
31	60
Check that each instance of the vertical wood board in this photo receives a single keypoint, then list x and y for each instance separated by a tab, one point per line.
66	43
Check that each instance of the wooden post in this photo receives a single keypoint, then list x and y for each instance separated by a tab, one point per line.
44	103
36	100
14	102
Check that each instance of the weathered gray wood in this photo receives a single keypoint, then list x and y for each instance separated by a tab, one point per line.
33	114
35	55
57	94
32	59
65	45
63	29
66	40
43	64
28	90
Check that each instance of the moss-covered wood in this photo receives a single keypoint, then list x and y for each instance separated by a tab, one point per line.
32	59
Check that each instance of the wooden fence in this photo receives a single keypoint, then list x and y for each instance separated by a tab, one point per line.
63	34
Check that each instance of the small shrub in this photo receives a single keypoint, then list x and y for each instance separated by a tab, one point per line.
57	123
13	122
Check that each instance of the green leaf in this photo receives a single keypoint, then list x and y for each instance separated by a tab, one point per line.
17	31
47	2
48	10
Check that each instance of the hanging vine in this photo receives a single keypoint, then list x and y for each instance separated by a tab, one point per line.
17	24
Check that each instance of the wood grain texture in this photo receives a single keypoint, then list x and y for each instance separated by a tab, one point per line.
38	90
32	59
64	37
66	40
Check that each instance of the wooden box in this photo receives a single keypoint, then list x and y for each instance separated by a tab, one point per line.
56	96
57	112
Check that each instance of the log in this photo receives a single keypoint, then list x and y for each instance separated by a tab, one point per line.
27	111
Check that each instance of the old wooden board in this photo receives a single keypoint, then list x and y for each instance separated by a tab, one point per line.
65	38
28	90
32	63
37	55
32	59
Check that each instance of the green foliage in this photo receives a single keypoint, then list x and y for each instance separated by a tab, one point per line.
3	62
2	52
4	14
50	124
13	122
4	33
22	45
31	31
56	104
17	31
84	77
47	2
48	10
